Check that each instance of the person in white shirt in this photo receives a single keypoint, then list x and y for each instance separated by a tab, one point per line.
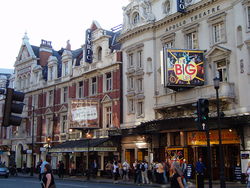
125	170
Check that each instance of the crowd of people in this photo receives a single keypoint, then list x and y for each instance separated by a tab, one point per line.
169	171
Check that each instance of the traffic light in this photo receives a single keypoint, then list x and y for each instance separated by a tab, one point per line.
202	107
13	104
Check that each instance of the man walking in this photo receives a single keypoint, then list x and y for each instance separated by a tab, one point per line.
200	169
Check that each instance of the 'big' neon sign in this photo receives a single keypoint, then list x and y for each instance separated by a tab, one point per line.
185	70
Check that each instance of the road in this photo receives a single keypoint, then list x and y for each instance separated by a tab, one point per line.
22	182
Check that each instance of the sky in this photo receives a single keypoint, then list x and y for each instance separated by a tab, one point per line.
52	20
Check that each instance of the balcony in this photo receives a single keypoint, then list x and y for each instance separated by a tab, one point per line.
226	92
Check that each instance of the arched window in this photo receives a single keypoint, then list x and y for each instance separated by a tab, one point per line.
166	7
239	36
136	18
99	54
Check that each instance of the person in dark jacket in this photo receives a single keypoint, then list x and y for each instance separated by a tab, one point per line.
48	178
200	170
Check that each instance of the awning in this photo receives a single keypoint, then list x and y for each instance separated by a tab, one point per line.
99	144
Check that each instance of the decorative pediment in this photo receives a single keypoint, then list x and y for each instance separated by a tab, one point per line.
218	52
106	99
63	109
48	111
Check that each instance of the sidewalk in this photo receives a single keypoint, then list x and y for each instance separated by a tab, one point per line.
191	184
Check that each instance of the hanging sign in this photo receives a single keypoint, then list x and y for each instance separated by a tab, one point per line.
88	46
181	6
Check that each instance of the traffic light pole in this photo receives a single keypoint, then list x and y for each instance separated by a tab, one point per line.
209	157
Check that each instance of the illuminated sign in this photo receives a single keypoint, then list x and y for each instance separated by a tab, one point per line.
183	68
83	113
181	6
88	46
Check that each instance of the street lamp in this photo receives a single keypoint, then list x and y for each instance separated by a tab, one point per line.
88	136
48	142
222	175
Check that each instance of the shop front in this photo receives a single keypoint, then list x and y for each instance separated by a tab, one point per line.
74	154
197	147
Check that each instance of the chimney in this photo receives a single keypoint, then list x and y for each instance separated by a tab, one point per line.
44	52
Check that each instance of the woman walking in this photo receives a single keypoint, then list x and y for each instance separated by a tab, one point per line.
176	181
248	175
48	178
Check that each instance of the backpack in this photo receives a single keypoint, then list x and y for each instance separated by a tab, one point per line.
143	167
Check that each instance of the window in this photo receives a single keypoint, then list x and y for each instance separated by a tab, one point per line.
248	17
49	124
80	89
65	95
139	57
50	98
108	81
51	73
130	59
64	123
131	106
130	83
218	32
169	44
222	70
140	85
108	116
140	108
99	54
93	86
66	69
136	18
239	36
35	100
192	40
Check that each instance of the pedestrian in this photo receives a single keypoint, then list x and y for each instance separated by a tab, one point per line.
120	169
248	174
48	178
159	172
125	169
176	180
94	168
184	171
115	171
108	169
135	166
138	173
200	169
61	169
43	166
144	172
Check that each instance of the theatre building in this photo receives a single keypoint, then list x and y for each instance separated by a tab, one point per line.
170	59
61	85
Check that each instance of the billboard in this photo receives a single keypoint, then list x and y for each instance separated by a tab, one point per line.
83	113
183	68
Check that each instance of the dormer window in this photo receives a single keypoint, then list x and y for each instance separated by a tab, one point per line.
51	73
66	68
99	53
136	18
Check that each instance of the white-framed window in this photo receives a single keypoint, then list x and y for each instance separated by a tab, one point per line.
108	116
35	100
51	72
49	128
130	83
192	40
80	89
139	59
140	108
65	94
218	32
66	68
99	54
140	85
64	123
135	18
108	83
50	98
93	86
248	17
131	106
169	44
222	70
131	60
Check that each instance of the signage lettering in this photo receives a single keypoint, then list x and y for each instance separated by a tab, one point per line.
181	6
88	46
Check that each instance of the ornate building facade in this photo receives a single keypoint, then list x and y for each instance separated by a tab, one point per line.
164	116
51	80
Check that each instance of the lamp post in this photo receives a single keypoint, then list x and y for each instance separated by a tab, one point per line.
222	175
48	141
88	136
32	142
